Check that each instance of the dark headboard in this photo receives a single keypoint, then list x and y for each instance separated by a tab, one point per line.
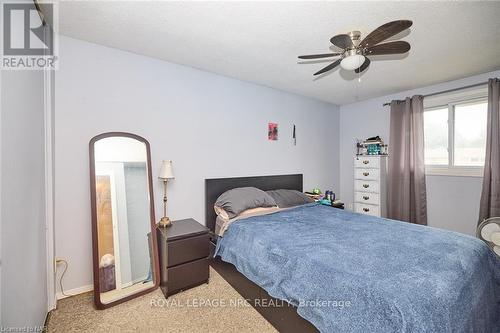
215	187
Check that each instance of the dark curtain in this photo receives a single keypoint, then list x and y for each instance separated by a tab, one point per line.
407	199
490	196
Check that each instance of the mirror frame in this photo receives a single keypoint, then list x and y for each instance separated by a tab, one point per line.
95	251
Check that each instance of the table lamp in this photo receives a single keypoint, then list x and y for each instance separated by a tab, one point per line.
166	173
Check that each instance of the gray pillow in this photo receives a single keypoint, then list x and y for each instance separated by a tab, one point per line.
289	198
240	199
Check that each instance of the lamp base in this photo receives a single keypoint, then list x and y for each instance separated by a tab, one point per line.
164	222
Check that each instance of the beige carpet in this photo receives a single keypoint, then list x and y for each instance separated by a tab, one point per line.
213	307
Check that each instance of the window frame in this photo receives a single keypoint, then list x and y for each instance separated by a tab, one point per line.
450	101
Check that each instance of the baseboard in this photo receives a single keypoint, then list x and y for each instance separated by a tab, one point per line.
75	291
83	289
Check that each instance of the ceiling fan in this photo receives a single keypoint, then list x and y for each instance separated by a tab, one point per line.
355	52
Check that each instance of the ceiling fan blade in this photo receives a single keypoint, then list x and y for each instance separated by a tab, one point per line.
363	66
389	48
385	31
329	67
343	41
316	56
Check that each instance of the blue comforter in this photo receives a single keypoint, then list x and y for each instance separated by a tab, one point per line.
348	272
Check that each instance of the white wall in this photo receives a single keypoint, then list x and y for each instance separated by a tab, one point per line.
453	202
209	125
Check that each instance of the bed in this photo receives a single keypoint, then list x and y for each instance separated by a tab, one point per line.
346	272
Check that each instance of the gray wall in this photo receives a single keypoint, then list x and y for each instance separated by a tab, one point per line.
453	202
209	125
23	248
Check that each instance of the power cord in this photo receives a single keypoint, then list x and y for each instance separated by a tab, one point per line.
62	275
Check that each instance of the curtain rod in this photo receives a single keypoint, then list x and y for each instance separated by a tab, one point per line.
449	90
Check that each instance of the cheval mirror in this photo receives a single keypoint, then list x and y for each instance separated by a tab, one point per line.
125	254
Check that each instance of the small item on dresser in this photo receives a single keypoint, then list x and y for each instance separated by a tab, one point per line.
325	202
329	195
374	149
359	147
374	139
332	203
384	149
315	194
371	146
337	204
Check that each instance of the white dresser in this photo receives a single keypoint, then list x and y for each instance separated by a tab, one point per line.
370	185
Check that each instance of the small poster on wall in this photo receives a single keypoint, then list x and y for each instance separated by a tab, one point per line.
272	131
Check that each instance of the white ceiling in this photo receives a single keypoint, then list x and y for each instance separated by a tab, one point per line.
260	41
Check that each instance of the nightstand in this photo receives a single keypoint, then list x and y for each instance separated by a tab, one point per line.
184	250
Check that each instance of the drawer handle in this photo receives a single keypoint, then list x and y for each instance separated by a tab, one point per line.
366	185
366	197
366	174
366	162
366	210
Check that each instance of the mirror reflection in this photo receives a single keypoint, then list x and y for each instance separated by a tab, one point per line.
123	217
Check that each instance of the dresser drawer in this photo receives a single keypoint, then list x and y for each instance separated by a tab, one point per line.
188	249
368	209
187	275
368	174
367	162
367	198
372	186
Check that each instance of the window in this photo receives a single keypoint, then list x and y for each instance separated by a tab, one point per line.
436	136
470	134
455	135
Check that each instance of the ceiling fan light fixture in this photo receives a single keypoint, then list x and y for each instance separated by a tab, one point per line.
352	62
353	49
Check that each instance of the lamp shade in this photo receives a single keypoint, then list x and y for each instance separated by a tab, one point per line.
166	171
352	62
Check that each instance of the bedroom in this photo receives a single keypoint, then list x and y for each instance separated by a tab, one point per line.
217	88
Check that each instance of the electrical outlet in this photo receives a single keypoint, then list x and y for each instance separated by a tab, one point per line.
57	261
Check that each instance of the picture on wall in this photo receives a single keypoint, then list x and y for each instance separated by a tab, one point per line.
272	131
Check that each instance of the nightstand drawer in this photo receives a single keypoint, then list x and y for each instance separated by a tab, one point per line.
188	249
187	275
